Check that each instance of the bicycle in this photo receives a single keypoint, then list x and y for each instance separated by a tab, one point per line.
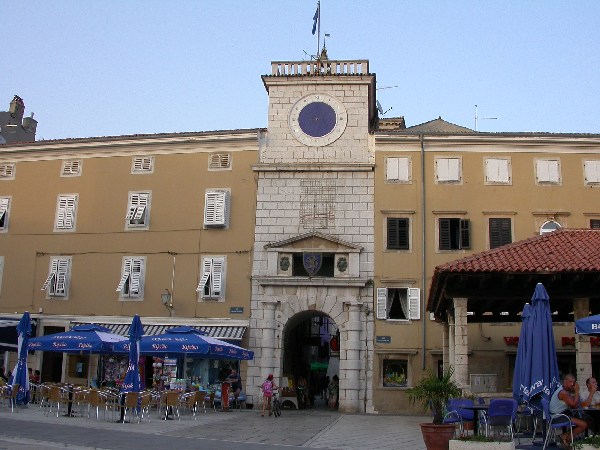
275	404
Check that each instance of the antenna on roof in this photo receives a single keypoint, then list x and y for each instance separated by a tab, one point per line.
481	118
380	109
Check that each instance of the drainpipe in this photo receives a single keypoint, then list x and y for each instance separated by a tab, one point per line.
423	254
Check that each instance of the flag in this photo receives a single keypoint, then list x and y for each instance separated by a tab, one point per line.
316	18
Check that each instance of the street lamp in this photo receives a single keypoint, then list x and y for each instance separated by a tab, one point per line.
167	300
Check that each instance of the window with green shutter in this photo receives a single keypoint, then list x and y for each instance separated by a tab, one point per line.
397	233
500	232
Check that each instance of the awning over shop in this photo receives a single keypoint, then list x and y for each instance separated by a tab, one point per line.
224	332
8	333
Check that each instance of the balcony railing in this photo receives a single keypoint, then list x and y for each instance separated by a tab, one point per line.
320	67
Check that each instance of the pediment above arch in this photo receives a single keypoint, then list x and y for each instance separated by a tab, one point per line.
315	241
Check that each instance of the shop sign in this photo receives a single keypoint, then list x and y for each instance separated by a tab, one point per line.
512	340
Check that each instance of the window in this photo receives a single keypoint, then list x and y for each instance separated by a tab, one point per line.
547	171
216	209
500	232
4	212
131	285
398	169
71	168
219	161
549	226
317	200
212	279
395	372
398	233
66	212
454	234
497	171
57	283
1	271
592	171
138	210
142	164
7	171
595	224
398	303
447	170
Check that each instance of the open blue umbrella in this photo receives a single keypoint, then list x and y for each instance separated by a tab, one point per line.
132	382
588	325
90	338
20	375
539	371
521	355
188	341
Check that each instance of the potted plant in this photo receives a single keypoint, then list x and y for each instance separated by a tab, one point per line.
588	443
480	442
433	393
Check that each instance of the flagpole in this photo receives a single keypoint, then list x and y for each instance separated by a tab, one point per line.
318	28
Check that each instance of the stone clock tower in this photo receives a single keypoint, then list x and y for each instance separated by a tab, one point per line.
313	250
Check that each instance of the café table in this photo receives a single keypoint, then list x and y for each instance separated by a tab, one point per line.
476	409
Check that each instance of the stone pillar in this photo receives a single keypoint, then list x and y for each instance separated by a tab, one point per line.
445	345
352	365
461	343
583	348
451	346
269	344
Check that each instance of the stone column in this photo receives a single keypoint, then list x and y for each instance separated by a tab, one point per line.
461	343
583	348
269	344
445	345
451	346
351	365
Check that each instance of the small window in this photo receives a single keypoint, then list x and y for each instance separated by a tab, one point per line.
454	234
57	283
142	164
71	168
592	171
138	210
395	372
497	171
131	284
7	171
219	161
212	278
398	233
216	209
66	212
398	169
4	213
500	232
547	171
398	303
549	227
447	170
595	224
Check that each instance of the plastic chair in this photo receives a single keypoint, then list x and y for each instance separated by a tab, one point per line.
457	414
132	400
56	397
501	414
170	400
97	400
527	411
554	422
145	402
10	393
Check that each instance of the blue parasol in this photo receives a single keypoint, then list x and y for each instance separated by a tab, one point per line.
588	325
539	371
132	383
521	354
90	338
20	375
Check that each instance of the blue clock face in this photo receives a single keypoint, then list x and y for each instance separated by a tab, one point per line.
317	119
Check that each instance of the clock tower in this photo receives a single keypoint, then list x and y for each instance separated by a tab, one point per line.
313	250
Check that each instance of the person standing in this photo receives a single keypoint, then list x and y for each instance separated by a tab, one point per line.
333	391
267	388
236	383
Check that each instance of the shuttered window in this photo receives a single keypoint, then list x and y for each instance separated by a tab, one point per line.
592	171
212	277
142	164
66	212
500	232
4	208
57	282
216	209
138	210
497	171
7	171
454	234
447	170
71	168
398	169
132	277
547	171
595	224
219	161
397	233
398	303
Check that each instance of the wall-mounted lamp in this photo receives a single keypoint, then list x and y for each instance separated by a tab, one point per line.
167	300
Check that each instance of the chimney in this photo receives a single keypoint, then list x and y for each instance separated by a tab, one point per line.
17	108
30	124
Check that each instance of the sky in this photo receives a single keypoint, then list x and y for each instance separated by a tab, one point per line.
120	67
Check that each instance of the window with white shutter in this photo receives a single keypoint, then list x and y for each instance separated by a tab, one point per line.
547	171
398	169
219	161
497	171
138	210
4	212
447	170
71	168
142	164
66	212
212	278
398	304
57	283
216	209
591	170
131	284
7	171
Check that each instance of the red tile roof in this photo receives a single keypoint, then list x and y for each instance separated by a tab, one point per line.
567	250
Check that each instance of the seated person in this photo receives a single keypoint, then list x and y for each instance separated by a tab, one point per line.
236	383
590	398
564	399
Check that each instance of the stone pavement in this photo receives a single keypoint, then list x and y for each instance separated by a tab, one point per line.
30	428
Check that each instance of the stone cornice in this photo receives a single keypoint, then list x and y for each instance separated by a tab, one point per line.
316	281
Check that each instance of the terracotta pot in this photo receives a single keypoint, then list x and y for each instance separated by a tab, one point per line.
437	437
